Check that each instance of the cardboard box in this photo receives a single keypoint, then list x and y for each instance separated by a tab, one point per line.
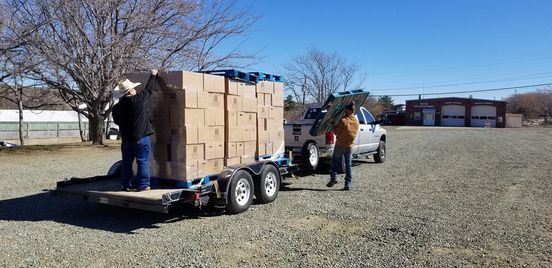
210	100
252	133
231	149
263	136
268	148
246	90
210	134
180	117
247	159
183	152
235	133
231	86
265	87
260	99
232	118
276	113
262	111
247	119
232	161
261	150
214	117
214	83
214	150
250	148
267	99
279	88
278	100
234	103
183	171
249	104
187	134
273	124
240	148
184	98
210	167
161	134
183	80
276	135
160	152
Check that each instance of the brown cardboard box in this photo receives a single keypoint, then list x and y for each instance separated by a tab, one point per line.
278	100
180	117
210	100
161	134
210	167
232	161
275	124
186	152
267	99
247	159
240	148
231	149
214	83
183	80
234	103
231	86
183	98
210	134
276	113
265	87
260	99
159	152
183	171
188	133
235	133
268	148
249	104
246	90
232	118
214	117
250	148
262	111
261	150
263	136
252	132
279	88
276	135
247	119
214	150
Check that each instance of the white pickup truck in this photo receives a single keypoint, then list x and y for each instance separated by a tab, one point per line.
309	150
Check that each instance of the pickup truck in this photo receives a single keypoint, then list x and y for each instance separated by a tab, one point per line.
308	150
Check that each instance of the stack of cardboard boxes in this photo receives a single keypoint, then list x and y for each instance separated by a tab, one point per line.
204	122
270	117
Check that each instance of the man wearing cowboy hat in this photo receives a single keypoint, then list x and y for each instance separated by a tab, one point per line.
131	114
345	131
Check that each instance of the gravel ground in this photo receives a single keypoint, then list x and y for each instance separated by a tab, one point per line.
444	197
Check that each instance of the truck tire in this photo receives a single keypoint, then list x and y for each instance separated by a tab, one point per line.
267	189
240	193
341	167
379	157
310	157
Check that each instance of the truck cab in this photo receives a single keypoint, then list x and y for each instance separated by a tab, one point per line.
309	150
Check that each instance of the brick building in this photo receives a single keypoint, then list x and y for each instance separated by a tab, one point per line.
459	112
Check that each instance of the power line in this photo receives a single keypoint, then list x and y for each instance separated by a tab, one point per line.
466	91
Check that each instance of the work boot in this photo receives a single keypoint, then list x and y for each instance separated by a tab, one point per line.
331	183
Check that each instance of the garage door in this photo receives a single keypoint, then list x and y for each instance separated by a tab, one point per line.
453	115
482	114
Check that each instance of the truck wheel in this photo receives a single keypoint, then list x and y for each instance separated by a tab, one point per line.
240	193
379	157
269	184
310	157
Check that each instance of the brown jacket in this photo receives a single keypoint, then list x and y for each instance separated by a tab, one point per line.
346	130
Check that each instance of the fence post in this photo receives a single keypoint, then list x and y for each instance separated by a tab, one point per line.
27	130
57	130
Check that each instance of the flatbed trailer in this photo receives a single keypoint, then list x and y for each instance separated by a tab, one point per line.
234	187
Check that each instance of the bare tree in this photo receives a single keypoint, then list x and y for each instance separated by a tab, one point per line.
316	74
82	48
531	104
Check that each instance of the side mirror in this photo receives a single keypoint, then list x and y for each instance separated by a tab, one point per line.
377	122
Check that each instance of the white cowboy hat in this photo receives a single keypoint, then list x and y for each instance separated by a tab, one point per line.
123	87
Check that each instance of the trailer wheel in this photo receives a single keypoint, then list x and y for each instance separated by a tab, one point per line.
115	169
269	184
310	157
240	194
379	157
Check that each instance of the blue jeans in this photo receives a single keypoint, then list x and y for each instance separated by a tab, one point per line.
338	154
140	151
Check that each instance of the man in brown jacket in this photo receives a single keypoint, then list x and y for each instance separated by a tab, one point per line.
345	130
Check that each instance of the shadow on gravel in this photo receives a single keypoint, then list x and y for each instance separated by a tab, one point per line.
47	207
324	168
293	189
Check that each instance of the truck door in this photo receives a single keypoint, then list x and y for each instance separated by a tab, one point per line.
372	142
363	134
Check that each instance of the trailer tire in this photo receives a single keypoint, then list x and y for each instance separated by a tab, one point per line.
268	187
379	157
115	169
310	157
240	193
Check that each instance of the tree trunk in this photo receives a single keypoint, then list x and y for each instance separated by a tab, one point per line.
80	128
20	106
96	129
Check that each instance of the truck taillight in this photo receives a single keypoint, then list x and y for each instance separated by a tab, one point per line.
330	138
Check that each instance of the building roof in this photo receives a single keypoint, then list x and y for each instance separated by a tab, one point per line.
454	98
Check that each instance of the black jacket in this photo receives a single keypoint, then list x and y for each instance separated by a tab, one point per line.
132	116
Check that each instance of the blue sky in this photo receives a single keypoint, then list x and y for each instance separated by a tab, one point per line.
409	47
